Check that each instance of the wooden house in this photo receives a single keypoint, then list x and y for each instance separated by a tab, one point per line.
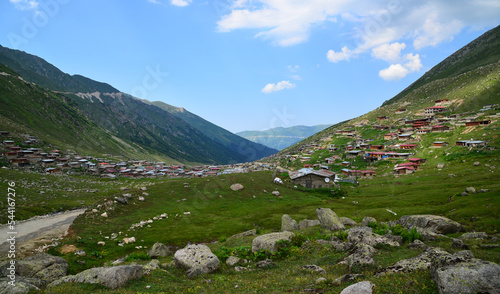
382	117
400	110
377	147
407	146
423	131
310	178
440	128
477	123
417	160
403	170
440	144
354	153
471	143
434	109
390	136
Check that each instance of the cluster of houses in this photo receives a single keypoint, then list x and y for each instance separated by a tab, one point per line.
57	161
401	144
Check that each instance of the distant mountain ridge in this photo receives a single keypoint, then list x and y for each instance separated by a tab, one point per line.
281	138
133	120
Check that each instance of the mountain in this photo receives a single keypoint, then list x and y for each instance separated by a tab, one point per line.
281	138
130	119
467	80
247	149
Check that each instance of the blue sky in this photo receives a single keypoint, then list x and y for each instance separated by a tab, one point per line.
248	64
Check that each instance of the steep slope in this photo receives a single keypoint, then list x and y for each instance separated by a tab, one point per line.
133	120
281	138
246	149
28	108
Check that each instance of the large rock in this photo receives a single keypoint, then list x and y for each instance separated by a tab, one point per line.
288	224
159	250
365	235
236	187
368	220
420	262
462	273
432	223
329	219
347	221
306	223
251	232
364	287
269	242
112	277
361	254
21	286
474	235
39	269
196	256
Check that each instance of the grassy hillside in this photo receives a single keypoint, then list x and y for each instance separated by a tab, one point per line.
281	138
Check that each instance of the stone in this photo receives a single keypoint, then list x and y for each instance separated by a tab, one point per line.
127	195
347	221
288	224
459	244
474	235
101	243
141	198
21	286
314	268
320	280
462	273
417	244
464	194
440	165
361	254
269	242
266	264
365	235
432	223
112	277
80	253
368	220
420	262
121	200
236	187
329	219
151	266
244	234
477	163
159	250
346	278
364	287
470	190
307	223
275	193
104	214
129	240
241	269
484	191
233	260
144	188
197	256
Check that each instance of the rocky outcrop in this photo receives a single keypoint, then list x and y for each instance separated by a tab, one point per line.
347	221
364	287
361	254
159	250
368	220
288	224
365	235
269	242
307	223
433	223
462	273
197	259
329	219
420	262
112	277
251	232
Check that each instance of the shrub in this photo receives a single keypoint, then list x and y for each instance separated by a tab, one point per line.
138	256
342	235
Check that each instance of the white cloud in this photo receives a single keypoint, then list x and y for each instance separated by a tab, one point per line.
394	72
398	71
25	4
269	88
388	52
293	68
154	1
370	23
335	57
180	3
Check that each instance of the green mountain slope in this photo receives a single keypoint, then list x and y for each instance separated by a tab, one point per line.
281	138
133	120
246	149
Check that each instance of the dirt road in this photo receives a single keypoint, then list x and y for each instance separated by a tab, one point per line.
35	231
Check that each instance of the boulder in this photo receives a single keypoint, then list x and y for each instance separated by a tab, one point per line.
474	235
459	244
129	240
329	220
159	250
197	256
368	220
417	244
306	223
151	266
288	224
365	235
364	287
440	165
112	277
266	264
269	242
105	214
233	260
470	190
346	278
361	254
236	187
420	262
122	200
347	221
432	223
244	234
276	193
21	286
39	269
462	273
477	163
